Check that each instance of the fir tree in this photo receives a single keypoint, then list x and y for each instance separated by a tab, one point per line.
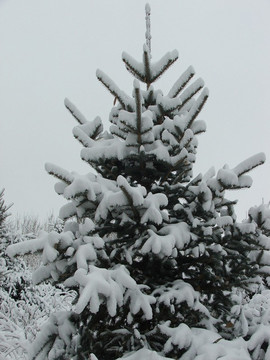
153	253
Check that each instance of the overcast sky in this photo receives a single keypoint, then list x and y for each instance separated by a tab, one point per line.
50	49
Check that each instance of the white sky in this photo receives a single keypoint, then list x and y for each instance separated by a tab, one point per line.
51	50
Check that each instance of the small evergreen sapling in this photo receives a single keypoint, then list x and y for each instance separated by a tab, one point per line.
4	242
4	214
152	252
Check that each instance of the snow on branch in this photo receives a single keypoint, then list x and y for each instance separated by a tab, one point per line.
136	194
83	184
93	128
75	112
105	148
179	159
180	336
235	178
146	71
123	195
153	204
178	293
114	287
186	138
67	211
192	90
249	164
140	301
26	247
198	127
88	132
59	173
123	98
144	354
158	68
159	244
229	179
133	66
260	337
169	237
196	108
81	136
204	344
167	104
59	325
181	82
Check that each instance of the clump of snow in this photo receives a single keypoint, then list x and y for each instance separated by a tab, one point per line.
144	354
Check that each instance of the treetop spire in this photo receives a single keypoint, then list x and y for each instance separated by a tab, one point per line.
148	27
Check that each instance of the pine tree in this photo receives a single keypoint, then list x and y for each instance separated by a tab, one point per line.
153	253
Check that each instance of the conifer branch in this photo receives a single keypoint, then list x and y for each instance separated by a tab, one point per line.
173	168
130	202
121	133
164	63
197	107
147	71
150	98
198	127
75	112
131	68
249	164
186	107
98	128
167	105
96	132
59	173
114	89
138	110
192	90
81	136
47	343
182	82
129	128
181	175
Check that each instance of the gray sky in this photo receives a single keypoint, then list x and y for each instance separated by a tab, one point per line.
51	50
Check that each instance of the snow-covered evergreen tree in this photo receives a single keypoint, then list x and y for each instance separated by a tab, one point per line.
153	253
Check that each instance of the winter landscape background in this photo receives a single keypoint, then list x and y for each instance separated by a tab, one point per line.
51	50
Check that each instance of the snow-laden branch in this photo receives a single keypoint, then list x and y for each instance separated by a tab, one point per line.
75	112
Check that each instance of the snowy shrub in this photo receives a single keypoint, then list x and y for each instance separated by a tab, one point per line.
24	308
21	318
